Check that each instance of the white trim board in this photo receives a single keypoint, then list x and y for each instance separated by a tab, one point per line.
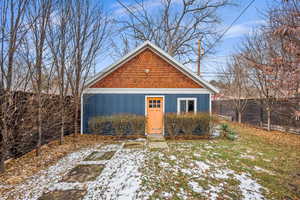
146	91
160	53
163	97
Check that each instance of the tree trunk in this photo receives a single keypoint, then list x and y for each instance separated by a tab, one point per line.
3	150
62	113
62	130
269	119
39	142
76	116
240	117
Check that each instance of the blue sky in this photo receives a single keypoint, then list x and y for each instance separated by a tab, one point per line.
252	18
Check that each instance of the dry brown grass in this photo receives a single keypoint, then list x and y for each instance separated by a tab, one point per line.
272	137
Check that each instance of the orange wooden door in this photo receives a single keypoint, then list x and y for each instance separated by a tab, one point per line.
155	115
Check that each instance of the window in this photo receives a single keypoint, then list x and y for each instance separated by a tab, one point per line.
154	103
186	105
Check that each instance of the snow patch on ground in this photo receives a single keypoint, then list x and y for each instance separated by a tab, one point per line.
223	173
202	166
263	170
93	162
164	165
250	188
197	155
196	187
37	184
172	157
251	157
120	179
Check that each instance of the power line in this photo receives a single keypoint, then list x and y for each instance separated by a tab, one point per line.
230	26
128	9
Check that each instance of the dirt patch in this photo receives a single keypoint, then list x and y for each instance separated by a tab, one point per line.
63	194
83	173
96	155
129	145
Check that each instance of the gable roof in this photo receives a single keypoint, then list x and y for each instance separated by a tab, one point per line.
159	52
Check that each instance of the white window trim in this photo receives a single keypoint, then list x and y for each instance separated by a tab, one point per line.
186	99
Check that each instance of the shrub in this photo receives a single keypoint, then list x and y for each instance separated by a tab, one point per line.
231	135
118	125
187	125
224	127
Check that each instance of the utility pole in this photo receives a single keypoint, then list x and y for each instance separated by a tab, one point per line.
199	54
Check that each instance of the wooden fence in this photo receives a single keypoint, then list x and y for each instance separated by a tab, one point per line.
282	116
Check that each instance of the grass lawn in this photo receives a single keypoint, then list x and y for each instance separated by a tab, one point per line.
258	165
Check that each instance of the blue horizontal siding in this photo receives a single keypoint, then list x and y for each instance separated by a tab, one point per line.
111	104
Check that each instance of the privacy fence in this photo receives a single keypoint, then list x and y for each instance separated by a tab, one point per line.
24	124
283	115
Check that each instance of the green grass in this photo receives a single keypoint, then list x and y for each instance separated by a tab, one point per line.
270	165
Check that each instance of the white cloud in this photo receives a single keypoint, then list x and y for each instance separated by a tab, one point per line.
243	29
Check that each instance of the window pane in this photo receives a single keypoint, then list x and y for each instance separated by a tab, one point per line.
154	101
182	106
158	105
158	101
150	101
191	105
150	105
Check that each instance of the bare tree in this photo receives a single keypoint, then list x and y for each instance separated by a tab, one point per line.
38	18
257	55
174	26
11	35
237	85
58	41
89	30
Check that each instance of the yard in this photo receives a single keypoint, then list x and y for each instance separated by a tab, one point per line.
258	165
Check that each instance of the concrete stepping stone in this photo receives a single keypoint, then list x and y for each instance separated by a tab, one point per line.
83	173
97	155
158	145
156	138
63	195
133	144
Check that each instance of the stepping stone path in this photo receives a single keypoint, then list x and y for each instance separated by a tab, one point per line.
157	142
96	155
64	194
87	170
83	173
134	144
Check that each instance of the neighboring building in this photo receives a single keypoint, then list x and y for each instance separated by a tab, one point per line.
148	82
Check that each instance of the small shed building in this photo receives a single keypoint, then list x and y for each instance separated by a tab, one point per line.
147	81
